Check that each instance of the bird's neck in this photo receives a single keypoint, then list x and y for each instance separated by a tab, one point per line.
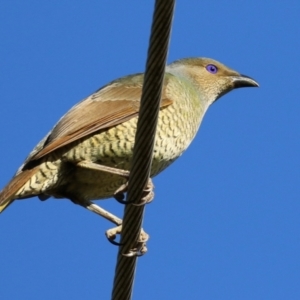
189	74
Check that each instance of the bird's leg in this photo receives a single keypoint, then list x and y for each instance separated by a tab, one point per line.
93	166
148	193
91	206
111	234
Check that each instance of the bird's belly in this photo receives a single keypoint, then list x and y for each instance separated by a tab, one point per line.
94	184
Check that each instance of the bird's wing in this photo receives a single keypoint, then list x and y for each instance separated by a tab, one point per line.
111	105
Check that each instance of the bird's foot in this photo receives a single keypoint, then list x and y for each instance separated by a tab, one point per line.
147	196
138	250
111	234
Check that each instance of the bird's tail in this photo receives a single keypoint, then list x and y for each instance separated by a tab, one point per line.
9	193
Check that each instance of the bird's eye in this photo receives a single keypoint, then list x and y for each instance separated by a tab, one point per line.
212	69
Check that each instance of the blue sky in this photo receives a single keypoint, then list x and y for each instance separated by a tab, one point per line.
225	220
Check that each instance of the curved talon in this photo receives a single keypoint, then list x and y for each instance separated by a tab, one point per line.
125	202
119	193
114	242
147	197
111	234
139	248
119	196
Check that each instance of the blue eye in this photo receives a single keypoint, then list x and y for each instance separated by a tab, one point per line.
212	69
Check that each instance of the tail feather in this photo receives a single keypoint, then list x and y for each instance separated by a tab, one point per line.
8	194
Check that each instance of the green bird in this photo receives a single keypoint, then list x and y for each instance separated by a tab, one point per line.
73	161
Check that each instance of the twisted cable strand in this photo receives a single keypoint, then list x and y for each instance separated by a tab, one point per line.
144	144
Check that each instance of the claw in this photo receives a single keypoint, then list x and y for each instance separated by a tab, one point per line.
114	242
111	235
119	193
140	247
147	197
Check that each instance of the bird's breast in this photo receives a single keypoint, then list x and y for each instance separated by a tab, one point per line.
177	126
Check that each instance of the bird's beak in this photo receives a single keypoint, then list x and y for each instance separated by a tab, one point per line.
243	81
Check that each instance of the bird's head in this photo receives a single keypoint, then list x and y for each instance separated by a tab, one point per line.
212	78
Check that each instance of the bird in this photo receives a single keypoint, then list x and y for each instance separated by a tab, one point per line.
87	155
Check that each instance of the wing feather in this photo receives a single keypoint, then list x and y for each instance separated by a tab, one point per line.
114	104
